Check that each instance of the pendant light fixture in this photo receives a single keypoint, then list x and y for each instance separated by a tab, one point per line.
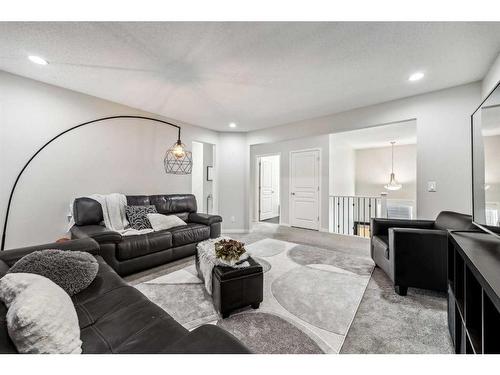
393	183
177	159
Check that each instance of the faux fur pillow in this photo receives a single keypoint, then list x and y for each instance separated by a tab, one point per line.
137	216
73	271
162	222
41	317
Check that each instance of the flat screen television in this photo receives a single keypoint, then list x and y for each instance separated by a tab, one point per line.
485	129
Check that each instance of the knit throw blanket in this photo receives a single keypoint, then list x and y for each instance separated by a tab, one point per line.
208	260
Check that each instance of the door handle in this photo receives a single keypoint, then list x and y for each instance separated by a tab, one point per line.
292	193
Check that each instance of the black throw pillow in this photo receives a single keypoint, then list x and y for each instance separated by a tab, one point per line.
137	216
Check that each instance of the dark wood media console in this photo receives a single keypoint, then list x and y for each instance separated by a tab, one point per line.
474	292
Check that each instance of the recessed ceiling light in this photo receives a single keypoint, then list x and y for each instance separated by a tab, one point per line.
38	60
416	76
232	125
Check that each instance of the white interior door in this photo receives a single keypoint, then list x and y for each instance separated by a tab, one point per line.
304	189
269	187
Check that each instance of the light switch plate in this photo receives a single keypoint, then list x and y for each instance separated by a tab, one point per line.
431	186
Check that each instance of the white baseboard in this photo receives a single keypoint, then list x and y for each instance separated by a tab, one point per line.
320	230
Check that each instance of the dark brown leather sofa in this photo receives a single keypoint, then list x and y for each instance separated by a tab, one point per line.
129	254
116	318
413	253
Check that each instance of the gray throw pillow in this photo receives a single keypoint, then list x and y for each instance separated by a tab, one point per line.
162	222
137	216
73	271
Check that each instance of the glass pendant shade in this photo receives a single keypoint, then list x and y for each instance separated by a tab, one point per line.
178	150
393	183
178	160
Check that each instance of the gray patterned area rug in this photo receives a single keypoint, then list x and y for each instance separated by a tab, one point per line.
310	298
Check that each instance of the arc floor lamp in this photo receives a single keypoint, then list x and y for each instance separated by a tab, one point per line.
177	159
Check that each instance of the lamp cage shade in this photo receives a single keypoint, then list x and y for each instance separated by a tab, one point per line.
178	160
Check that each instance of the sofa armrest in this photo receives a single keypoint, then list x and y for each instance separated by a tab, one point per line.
86	244
205	219
4	268
419	257
98	232
207	339
381	226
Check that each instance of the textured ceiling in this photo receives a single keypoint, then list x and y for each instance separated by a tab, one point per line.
255	74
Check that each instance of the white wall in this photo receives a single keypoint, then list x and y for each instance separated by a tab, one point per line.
208	160
491	78
114	156
373	169
443	132
342	167
232	181
284	148
197	174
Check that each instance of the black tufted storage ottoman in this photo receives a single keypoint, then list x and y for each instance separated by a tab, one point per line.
234	288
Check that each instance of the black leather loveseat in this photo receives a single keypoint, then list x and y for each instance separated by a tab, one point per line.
413	253
129	254
116	318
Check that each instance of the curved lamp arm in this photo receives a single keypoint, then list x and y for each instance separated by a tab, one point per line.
57	136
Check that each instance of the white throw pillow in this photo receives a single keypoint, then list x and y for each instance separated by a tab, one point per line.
162	222
41	317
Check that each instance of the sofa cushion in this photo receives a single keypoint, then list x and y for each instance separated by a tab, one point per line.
148	243
189	233
174	204
87	211
454	221
138	200
6	344
116	318
4	268
382	242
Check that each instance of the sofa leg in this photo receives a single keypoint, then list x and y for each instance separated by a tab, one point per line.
255	306
401	290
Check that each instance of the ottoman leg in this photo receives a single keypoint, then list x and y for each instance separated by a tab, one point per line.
255	306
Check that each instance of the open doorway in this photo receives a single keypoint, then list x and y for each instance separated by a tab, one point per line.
203	176
269	188
373	173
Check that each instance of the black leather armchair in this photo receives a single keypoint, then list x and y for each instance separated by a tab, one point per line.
413	253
